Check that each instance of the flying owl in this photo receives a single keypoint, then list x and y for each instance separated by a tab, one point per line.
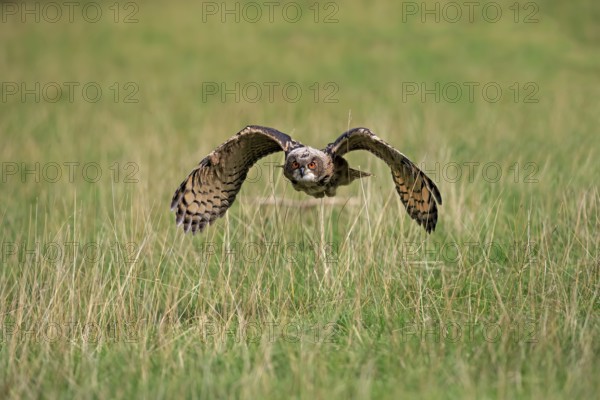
210	189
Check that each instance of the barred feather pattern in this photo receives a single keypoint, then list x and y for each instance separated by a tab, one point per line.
417	191
211	188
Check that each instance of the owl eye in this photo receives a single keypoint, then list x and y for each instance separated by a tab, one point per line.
312	165
295	165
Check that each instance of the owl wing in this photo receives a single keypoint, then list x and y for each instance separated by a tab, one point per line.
417	192
210	189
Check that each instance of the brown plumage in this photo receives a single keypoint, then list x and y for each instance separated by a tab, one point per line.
212	186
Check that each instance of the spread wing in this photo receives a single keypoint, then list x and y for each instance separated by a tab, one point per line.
417	192
210	189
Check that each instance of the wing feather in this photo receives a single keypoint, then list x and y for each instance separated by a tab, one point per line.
417	191
210	189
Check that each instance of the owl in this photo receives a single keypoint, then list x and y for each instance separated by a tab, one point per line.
211	188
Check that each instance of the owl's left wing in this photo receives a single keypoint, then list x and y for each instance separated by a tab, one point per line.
211	188
417	191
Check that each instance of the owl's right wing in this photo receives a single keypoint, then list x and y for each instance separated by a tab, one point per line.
417	191
210	189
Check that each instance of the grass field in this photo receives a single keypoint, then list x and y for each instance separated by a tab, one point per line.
101	296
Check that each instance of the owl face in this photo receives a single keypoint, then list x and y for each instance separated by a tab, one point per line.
304	165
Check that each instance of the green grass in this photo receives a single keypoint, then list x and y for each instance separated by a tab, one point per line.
101	296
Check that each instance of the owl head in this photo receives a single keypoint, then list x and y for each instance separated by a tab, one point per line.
305	165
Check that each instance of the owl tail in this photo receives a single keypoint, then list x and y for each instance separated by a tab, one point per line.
356	174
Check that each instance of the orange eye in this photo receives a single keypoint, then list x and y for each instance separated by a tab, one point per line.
295	165
312	165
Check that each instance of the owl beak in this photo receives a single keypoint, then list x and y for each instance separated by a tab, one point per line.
301	171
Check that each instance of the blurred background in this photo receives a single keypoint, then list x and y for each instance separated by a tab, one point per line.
200	71
105	107
160	86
